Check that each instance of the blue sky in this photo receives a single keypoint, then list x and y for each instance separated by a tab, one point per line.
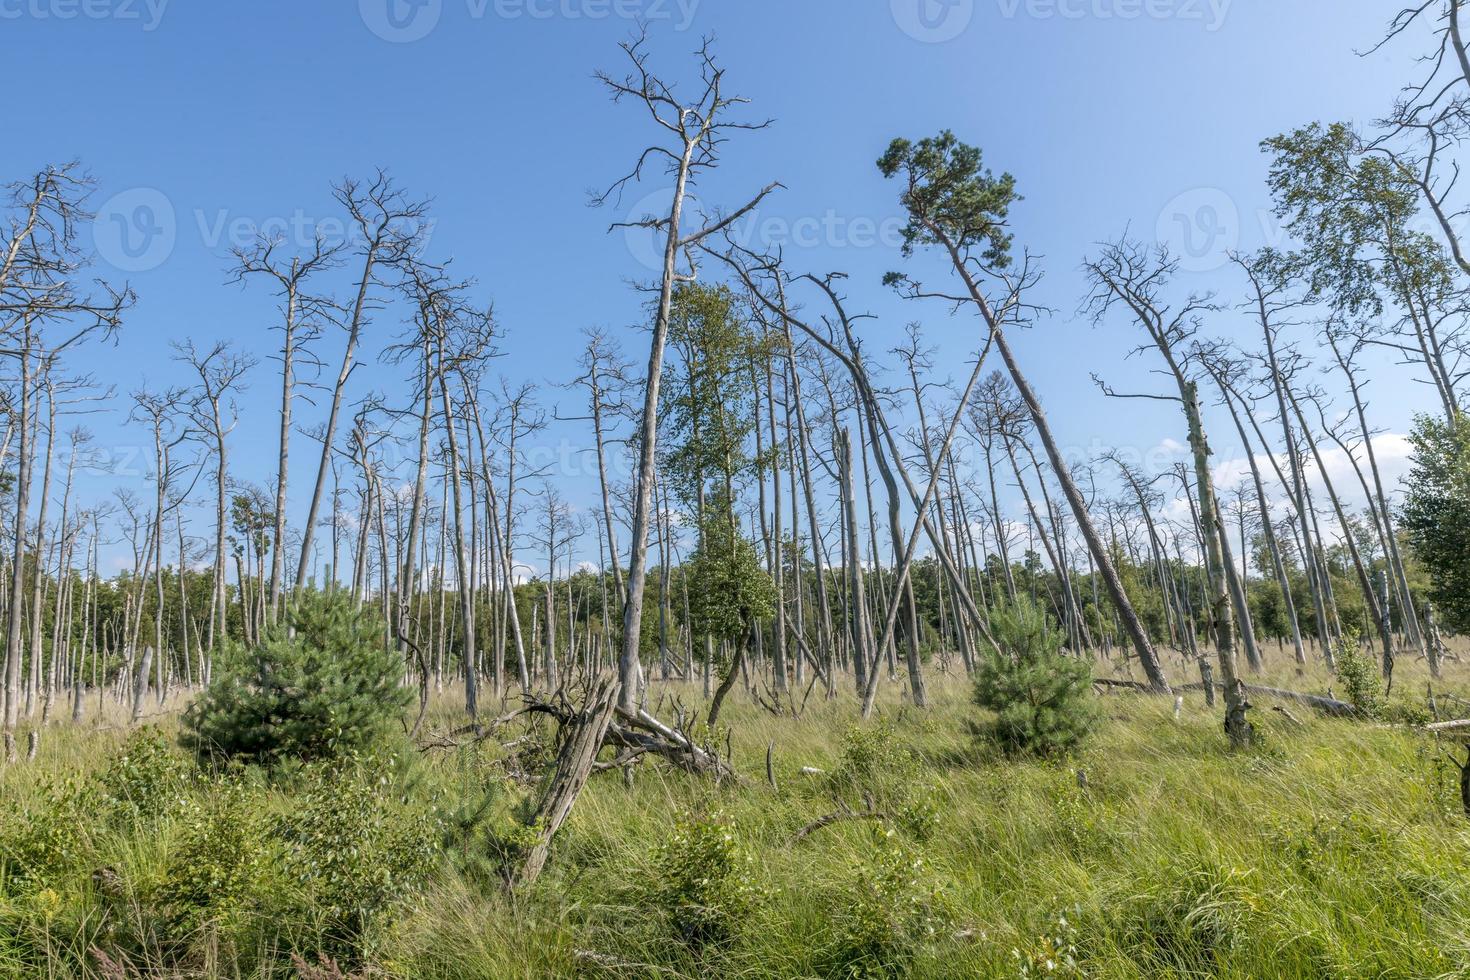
1113	114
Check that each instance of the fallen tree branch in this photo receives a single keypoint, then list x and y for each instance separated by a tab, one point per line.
840	816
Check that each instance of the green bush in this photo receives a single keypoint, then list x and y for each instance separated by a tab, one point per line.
878	772
892	911
355	850
47	836
1042	698
213	875
1361	677
146	780
706	882
320	685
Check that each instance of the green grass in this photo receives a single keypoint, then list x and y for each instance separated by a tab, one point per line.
1334	849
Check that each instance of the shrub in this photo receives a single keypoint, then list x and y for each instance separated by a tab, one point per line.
878	772
47	836
1361	679
212	876
146	780
706	881
319	685
890	914
354	851
1042	698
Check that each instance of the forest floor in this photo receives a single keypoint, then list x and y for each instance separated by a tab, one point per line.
900	846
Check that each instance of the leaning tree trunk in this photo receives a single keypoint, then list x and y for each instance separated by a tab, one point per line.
582	739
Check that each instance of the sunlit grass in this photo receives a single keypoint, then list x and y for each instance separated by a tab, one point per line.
1335	848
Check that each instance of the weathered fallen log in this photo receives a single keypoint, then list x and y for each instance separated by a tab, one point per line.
1109	682
1330	706
640	732
1458	725
840	816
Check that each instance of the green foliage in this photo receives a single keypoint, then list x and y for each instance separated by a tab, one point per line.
706	882
1436	513
728	589
893	909
1362	681
1042	698
45	837
1054	954
708	408
950	198
147	779
214	874
320	685
878	771
1353	213
353	850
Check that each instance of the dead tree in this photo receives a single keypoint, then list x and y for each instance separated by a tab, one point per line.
301	314
1129	275
696	131
391	228
582	735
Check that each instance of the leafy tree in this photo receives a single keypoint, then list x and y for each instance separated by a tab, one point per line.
1042	698
1436	513
319	685
728	590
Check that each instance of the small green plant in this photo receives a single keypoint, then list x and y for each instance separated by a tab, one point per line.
706	881
212	877
355	849
1042	699
147	779
891	912
877	772
1361	678
322	684
1054	954
47	836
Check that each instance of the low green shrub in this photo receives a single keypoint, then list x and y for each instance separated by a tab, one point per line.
146	779
877	772
213	879
1361	676
706	882
892	911
355	850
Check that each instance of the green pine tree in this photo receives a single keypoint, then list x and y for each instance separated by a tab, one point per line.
1041	697
321	684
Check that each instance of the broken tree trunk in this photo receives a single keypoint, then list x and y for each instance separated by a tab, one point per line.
581	739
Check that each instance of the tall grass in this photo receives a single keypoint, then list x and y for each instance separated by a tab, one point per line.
1337	848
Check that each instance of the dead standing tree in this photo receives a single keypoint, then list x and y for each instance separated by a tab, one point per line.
42	315
392	229
696	131
213	417
300	326
1127	274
